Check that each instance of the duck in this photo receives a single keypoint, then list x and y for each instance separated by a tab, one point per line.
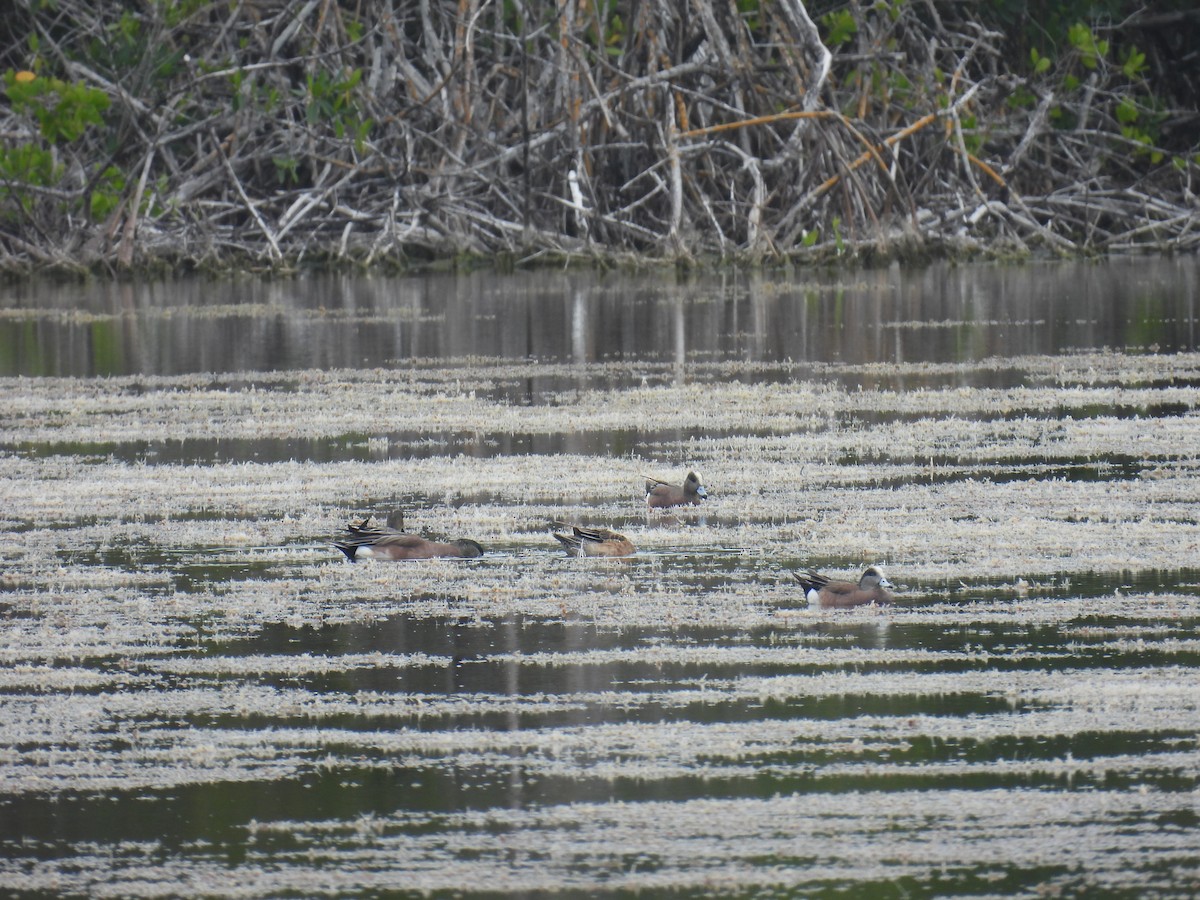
366	541
826	593
662	495
593	541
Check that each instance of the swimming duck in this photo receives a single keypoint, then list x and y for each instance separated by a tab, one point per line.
661	495
593	541
828	594
366	541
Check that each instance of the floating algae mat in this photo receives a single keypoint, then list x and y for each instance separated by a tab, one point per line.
199	695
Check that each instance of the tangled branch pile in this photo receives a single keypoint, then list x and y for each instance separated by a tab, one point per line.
399	130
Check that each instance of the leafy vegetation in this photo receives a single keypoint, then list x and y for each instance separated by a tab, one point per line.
372	132
62	113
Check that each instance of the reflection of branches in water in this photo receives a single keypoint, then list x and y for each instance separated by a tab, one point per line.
611	329
486	131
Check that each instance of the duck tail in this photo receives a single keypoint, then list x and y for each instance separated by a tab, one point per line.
810	580
569	541
363	528
347	548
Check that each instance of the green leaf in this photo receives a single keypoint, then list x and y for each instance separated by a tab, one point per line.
1021	98
107	194
62	110
839	27
27	164
1127	111
285	169
1134	65
1090	50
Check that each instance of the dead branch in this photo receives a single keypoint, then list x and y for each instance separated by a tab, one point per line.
291	127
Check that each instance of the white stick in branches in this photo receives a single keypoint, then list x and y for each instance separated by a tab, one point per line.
577	204
809	40
1036	125
125	251
675	173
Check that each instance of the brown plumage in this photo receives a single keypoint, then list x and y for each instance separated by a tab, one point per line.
366	541
822	591
593	541
660	495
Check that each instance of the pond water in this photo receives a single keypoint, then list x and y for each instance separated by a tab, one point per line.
939	314
199	695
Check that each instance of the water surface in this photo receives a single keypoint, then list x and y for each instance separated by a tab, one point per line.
941	314
200	696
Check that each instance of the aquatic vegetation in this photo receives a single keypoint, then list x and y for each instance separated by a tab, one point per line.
182	635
